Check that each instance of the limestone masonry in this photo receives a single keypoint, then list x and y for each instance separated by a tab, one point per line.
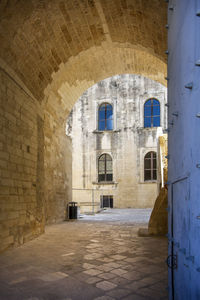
126	144
51	52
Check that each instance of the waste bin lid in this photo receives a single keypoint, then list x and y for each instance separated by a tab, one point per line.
72	203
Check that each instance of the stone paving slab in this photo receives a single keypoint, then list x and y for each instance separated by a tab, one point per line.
87	260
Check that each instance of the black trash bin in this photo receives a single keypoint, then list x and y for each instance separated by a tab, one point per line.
72	210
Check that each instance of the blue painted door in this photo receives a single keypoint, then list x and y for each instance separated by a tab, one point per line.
179	243
184	147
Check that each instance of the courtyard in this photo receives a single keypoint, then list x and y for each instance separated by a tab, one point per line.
96	257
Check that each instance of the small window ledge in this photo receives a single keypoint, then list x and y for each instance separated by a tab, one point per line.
148	181
149	128
107	131
105	183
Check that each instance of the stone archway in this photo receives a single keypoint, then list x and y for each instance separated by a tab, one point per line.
51	51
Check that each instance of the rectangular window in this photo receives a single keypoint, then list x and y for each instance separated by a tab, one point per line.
102	177
105	117
150	166
106	201
105	168
109	177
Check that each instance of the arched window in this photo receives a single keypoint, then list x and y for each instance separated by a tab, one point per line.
152	113
105	117
105	168
150	166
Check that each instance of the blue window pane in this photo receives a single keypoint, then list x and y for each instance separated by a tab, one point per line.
102	125
155	102
102	107
147	122
101	114
147	111
148	102
156	110
152	113
109	107
109	124
109	113
156	121
105	117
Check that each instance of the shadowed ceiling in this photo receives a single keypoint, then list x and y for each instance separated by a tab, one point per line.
40	38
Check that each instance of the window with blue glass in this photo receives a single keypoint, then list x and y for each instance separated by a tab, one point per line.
105	117
152	113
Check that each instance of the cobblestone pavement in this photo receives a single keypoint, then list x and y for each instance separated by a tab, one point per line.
91	258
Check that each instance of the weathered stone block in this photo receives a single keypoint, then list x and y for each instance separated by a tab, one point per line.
158	224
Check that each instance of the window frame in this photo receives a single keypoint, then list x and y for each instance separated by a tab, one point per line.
106	155
152	116
152	168
105	119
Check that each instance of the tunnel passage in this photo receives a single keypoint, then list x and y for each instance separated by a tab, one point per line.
51	52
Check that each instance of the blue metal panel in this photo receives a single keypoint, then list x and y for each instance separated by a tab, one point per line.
184	148
181	227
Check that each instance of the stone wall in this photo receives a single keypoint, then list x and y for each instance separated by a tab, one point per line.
58	174
127	143
158	223
22	164
30	194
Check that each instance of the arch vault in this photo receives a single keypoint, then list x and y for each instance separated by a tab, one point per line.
51	52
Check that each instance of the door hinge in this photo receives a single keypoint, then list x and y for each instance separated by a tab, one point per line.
171	261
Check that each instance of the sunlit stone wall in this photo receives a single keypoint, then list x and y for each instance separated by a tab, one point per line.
127	143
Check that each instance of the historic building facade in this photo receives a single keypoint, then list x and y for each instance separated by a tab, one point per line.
114	128
53	51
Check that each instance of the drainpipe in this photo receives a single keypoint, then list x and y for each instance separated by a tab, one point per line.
93	201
